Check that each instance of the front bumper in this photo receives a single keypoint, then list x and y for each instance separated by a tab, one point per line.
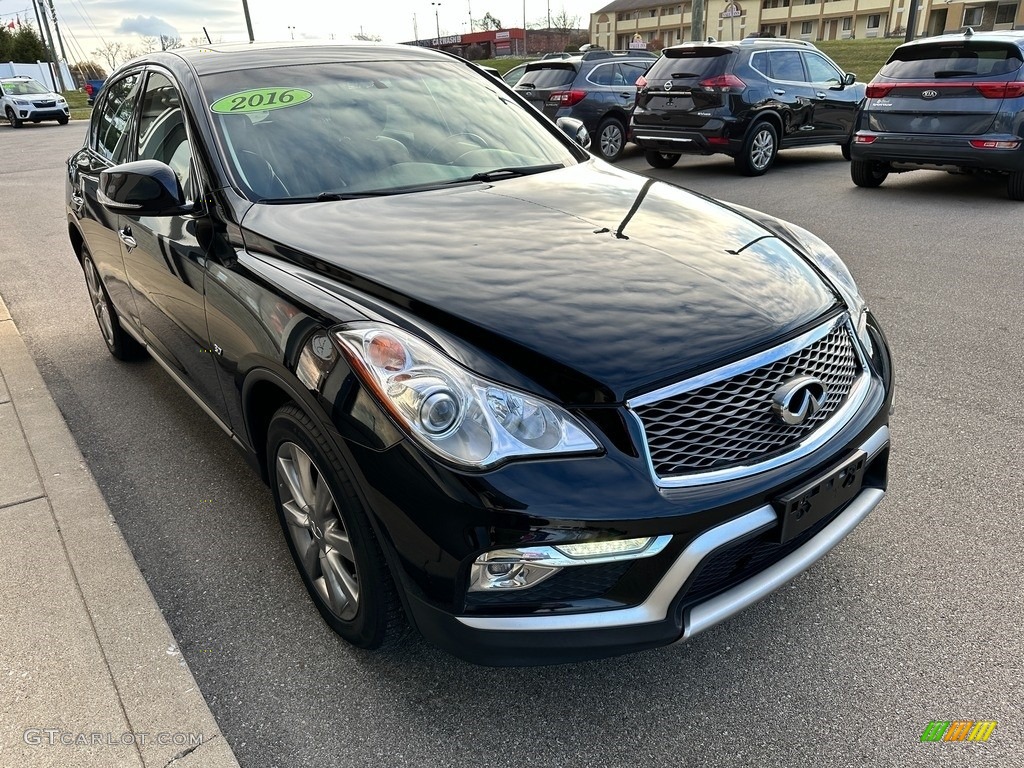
670	612
36	113
909	150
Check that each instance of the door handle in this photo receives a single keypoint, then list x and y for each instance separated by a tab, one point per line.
779	92
626	95
77	202
126	237
821	95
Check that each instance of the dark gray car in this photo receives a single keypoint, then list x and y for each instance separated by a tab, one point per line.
597	87
954	102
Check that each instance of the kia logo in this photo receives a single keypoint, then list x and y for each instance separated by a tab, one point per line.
929	94
799	399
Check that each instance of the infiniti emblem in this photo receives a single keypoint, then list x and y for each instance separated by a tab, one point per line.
798	399
929	94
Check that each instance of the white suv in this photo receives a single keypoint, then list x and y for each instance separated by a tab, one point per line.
22	98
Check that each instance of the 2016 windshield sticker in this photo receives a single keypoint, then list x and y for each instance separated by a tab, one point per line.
259	100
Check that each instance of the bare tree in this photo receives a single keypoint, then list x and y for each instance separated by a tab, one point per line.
110	52
147	43
366	37
170	42
489	22
563	22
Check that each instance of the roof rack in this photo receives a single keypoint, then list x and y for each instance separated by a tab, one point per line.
776	41
634	52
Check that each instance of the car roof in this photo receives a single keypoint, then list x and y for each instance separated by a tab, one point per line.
746	43
229	57
1005	36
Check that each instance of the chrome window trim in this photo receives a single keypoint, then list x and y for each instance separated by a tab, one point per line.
717	609
813	441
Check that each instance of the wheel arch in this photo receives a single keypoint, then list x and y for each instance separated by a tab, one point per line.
77	240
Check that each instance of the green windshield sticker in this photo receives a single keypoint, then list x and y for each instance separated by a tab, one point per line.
259	100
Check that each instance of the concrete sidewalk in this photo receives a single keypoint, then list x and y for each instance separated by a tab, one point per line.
90	674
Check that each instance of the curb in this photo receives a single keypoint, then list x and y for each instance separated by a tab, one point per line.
97	675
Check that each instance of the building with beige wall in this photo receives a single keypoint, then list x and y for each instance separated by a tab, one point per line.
621	22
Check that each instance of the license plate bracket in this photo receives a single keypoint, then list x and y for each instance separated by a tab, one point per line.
802	507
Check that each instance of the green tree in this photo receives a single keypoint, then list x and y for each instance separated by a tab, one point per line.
22	45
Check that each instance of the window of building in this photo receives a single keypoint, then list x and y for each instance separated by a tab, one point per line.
805	28
973	16
783	30
847	24
874	21
1005	14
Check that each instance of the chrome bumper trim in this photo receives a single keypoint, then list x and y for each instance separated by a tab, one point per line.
706	614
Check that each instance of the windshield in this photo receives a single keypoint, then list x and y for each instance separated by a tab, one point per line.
24	87
356	129
961	58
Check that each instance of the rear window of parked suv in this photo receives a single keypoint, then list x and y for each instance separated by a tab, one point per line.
690	62
549	76
953	59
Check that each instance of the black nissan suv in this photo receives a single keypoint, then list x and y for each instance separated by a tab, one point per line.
746	99
953	102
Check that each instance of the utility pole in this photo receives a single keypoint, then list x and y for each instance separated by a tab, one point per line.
437	21
248	19
524	29
470	6
911	21
415	28
697	20
44	35
56	29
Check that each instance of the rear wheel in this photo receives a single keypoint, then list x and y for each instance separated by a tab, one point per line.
1015	185
611	139
62	120
329	535
759	150
661	159
865	174
118	341
13	119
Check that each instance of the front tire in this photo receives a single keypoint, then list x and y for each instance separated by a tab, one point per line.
118	340
329	534
13	119
661	159
759	150
611	139
62	120
869	175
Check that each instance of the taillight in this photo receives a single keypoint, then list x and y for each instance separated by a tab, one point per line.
878	90
1000	90
861	138
641	82
987	144
567	98
723	84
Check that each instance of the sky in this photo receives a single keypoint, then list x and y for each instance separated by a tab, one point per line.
85	24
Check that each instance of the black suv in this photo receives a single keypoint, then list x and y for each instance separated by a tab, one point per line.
746	99
598	87
954	102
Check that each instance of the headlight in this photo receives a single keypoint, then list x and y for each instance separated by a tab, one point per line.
61	100
20	102
836	271
451	411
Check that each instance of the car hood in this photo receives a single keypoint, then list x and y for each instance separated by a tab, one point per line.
590	281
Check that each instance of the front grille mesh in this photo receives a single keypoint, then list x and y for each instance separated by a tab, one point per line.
730	422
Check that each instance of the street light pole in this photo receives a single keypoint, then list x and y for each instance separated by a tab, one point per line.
437	21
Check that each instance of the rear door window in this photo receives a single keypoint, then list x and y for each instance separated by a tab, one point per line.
787	66
631	70
953	59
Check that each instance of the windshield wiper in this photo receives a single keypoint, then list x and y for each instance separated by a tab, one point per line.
323	197
511	172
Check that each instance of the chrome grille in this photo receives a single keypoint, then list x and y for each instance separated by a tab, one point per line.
730	422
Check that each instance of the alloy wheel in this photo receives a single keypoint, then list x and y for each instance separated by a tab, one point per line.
320	538
611	140
99	302
761	149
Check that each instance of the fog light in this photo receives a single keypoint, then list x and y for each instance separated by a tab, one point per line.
497	571
598	548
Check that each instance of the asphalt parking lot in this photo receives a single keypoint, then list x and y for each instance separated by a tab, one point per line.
917	616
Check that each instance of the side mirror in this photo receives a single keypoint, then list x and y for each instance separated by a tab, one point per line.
575	130
142	188
849	78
